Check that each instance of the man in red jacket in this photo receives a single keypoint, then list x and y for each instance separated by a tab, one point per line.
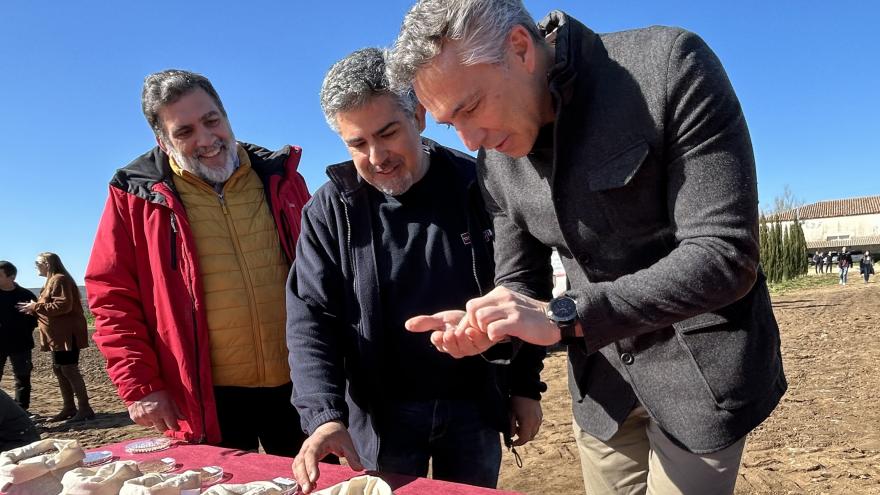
186	278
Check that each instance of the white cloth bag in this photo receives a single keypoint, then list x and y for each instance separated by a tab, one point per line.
361	485
38	468
183	483
102	480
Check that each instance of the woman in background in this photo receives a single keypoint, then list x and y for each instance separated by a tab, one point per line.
62	331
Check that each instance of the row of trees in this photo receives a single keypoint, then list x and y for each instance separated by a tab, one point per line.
783	250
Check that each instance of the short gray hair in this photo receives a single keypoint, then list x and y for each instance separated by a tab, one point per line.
166	87
481	26
355	80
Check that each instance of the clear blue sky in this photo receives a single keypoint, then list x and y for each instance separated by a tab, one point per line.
807	74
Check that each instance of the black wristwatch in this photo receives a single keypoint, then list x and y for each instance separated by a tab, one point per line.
563	312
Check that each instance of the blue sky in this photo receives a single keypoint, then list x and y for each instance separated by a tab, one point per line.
806	73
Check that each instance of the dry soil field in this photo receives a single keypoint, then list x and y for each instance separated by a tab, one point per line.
823	438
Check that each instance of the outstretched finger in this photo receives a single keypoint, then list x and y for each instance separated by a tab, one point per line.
312	471
301	472
424	323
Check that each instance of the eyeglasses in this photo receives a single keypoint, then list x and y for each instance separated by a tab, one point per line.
38	263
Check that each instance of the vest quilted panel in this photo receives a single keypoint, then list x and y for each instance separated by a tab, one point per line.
244	272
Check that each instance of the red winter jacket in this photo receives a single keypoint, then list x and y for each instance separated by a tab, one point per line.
145	290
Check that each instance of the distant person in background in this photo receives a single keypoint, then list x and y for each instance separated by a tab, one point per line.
844	261
829	261
16	332
63	332
817	261
866	266
16	428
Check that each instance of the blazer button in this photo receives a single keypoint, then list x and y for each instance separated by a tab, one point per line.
627	358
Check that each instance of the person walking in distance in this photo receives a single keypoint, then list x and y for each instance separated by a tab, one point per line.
866	266
844	261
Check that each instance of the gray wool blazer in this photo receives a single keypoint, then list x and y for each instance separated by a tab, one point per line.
647	189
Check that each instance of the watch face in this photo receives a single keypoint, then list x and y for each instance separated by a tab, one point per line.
563	309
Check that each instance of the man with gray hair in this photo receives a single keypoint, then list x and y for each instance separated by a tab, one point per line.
629	154
186	277
397	231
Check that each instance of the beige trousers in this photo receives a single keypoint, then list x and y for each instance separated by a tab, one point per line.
640	459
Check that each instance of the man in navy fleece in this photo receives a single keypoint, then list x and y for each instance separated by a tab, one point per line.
399	230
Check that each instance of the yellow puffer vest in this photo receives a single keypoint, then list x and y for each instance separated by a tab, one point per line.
243	272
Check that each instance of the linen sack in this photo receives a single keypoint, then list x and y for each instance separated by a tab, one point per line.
185	483
102	480
38	468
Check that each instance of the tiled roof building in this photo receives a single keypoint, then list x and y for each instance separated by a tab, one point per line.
852	222
834	208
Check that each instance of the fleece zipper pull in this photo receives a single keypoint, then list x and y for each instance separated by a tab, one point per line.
508	442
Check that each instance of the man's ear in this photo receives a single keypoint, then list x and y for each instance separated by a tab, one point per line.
522	48
419	115
161	145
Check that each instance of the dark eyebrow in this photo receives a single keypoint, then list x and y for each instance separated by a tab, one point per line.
467	101
178	130
384	128
210	115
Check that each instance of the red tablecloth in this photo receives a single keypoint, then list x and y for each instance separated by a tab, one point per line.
242	467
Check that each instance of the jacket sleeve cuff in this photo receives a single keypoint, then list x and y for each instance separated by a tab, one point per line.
325	417
319	408
594	339
136	393
534	392
525	372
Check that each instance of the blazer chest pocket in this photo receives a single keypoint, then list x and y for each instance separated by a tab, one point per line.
730	358
620	168
631	191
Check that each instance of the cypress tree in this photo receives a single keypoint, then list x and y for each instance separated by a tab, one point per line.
802	264
771	253
787	249
776	249
763	243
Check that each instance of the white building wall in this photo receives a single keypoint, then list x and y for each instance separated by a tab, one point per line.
823	229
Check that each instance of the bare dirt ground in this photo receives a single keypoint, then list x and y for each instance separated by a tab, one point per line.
824	438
